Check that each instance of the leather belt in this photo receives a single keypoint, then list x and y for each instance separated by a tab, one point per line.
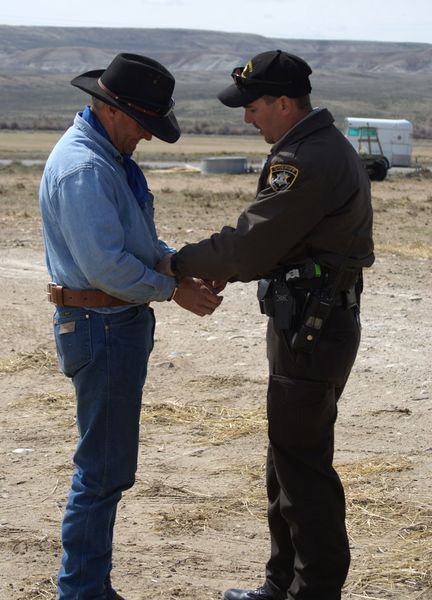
61	296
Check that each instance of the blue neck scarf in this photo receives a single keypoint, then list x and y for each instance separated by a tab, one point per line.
135	177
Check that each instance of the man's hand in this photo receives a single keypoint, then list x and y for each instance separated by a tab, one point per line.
164	267
197	297
193	294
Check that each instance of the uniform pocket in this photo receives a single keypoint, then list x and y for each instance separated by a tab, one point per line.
301	413
73	340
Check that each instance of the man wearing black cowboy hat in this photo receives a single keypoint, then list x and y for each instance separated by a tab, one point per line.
101	250
306	237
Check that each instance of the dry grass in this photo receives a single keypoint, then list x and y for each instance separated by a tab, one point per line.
402	215
394	534
394	537
414	250
209	514
31	144
40	360
39	144
391	534
226	381
49	400
217	426
42	590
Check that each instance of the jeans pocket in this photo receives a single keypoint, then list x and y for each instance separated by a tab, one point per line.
73	341
123	318
300	413
136	323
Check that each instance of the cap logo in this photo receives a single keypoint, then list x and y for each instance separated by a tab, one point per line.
247	70
282	177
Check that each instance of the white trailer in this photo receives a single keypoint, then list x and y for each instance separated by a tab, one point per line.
391	137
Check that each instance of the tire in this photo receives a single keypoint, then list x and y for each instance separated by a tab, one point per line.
378	171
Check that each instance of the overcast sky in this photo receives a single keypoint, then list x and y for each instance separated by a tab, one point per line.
380	20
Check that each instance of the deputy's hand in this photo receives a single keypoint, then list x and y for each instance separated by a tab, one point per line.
217	285
197	297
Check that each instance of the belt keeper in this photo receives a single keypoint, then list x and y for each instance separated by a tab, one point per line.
55	294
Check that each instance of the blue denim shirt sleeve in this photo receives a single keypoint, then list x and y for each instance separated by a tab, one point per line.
96	235
165	249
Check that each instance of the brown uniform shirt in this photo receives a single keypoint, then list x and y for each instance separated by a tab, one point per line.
313	200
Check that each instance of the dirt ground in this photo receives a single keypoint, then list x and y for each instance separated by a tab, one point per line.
195	522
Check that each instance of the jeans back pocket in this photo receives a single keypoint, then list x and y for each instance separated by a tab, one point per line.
72	335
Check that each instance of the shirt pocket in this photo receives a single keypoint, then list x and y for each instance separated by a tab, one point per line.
72	335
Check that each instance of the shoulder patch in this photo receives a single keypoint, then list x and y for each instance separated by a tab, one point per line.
282	177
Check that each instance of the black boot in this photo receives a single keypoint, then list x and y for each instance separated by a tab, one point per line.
261	593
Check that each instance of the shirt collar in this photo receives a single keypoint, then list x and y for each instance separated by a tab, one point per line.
279	142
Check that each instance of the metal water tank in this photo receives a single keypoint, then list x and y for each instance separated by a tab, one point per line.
224	164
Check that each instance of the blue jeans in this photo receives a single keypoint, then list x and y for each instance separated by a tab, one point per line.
106	356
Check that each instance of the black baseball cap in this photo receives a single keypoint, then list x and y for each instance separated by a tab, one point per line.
273	73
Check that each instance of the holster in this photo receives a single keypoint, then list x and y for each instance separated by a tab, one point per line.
316	310
300	306
264	297
277	301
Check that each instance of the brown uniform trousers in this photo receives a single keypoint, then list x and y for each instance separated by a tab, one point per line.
309	545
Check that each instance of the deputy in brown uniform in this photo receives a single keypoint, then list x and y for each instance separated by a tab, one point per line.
307	236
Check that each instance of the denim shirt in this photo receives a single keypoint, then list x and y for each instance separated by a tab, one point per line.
96	235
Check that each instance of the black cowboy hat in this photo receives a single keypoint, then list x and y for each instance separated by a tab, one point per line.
273	73
138	86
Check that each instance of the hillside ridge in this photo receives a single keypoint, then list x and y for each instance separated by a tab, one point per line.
71	49
351	78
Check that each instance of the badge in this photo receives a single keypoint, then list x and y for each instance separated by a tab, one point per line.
282	177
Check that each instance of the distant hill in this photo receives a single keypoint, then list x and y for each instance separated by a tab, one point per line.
351	78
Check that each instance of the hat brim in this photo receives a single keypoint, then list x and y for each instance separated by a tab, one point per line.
234	96
164	128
